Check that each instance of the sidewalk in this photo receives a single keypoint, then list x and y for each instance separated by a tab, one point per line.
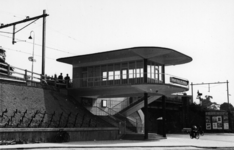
173	141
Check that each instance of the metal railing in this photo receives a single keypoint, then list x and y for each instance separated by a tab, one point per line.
31	78
19	73
100	112
130	123
116	79
124	104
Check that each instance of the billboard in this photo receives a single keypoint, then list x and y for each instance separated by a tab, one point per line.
217	121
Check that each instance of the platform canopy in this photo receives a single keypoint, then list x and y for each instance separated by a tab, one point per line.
160	55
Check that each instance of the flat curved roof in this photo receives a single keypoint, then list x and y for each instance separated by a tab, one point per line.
160	55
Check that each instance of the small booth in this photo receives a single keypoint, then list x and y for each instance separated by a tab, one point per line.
216	121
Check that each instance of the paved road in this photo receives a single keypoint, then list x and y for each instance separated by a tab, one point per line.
173	142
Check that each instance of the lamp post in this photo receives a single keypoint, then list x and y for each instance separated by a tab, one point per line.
32	58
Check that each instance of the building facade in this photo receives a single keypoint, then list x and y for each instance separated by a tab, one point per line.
136	73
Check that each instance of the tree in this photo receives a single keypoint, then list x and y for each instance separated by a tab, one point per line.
226	106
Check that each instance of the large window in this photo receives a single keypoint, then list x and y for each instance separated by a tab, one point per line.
104	76
126	72
117	75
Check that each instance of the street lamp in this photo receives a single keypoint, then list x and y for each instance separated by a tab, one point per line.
32	58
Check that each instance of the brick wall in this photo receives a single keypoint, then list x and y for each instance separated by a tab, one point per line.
21	97
18	99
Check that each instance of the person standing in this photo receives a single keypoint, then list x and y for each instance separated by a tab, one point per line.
60	78
67	80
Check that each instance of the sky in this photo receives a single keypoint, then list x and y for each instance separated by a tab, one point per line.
201	29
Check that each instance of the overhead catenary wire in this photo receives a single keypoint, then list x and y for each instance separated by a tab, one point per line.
56	49
13	14
26	53
68	36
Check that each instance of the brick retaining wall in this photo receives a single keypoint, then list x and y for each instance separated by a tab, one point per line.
19	98
35	135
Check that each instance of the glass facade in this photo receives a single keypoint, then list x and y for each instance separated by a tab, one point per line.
120	73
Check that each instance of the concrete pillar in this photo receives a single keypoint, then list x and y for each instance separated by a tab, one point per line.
145	70
164	115
163	74
146	116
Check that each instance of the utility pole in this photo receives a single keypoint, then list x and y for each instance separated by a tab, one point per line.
43	44
228	95
33	19
209	88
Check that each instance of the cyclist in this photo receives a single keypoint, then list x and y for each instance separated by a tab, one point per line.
193	131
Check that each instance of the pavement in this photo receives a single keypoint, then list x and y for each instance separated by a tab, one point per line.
173	141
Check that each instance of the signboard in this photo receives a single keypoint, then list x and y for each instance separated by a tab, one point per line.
225	123
225	126
179	81
214	125
217	120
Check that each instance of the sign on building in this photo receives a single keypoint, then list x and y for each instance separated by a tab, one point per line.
179	81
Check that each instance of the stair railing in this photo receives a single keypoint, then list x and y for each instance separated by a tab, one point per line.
120	106
131	123
121	123
117	114
124	104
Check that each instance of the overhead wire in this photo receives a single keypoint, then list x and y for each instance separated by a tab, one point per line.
56	49
52	48
40	45
26	53
13	15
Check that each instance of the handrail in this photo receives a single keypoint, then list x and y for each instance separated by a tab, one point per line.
19	72
124	104
122	124
133	123
23	74
117	113
107	113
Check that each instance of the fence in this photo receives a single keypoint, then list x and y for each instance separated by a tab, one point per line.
29	77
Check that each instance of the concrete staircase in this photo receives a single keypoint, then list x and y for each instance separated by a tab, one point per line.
137	105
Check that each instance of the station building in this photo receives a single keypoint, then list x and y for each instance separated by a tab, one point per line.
126	81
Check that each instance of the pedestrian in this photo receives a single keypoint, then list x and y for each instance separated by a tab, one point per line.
60	78
67	80
55	77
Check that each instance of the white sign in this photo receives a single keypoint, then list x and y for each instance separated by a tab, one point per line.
225	126
215	126
179	81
